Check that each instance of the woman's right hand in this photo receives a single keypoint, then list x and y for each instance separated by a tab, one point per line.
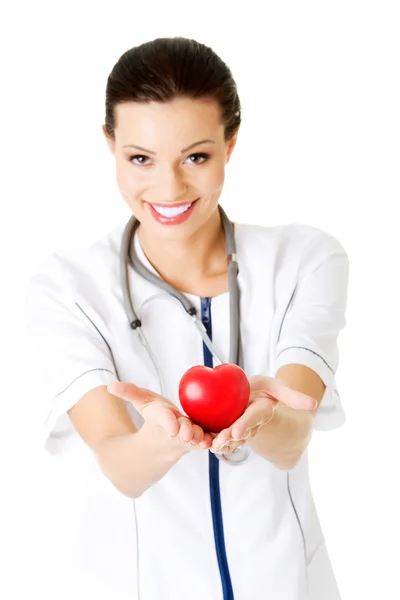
157	410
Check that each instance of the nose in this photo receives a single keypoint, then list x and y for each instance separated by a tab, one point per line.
170	186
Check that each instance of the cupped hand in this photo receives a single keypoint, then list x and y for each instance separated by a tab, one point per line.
157	410
266	395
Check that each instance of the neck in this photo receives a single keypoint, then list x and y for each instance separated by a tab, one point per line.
184	262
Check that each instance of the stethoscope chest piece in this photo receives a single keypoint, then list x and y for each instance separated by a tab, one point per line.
237	457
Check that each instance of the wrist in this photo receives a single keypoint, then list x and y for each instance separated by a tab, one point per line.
283	439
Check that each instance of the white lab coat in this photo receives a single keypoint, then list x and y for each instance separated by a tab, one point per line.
293	291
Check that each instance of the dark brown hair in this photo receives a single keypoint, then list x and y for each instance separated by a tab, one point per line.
168	68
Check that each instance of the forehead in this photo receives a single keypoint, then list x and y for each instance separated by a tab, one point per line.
180	118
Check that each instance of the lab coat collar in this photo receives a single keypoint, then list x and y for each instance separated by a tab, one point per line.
143	290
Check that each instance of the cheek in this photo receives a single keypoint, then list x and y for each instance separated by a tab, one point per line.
129	185
208	181
213	181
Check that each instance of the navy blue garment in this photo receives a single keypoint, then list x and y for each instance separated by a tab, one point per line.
215	494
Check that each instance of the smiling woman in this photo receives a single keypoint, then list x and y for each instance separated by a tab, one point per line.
169	185
163	517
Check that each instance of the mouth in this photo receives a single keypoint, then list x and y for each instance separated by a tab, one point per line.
172	215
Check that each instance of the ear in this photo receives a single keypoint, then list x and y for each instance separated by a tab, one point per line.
109	139
231	144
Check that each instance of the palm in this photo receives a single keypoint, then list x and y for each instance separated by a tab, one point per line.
157	410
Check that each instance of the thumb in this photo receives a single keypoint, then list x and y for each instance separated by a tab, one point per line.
164	414
278	390
133	393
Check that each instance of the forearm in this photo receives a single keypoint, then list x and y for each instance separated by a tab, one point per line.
135	461
283	440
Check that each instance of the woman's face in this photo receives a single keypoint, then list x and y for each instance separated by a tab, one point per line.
162	168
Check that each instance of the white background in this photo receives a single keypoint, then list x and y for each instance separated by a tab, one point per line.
319	143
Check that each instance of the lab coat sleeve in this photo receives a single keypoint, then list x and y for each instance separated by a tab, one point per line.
70	354
315	316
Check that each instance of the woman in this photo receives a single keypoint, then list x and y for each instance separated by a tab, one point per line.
165	515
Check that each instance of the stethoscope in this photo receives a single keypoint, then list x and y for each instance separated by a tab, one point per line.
128	258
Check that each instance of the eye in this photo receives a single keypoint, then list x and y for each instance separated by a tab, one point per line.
137	156
140	159
201	155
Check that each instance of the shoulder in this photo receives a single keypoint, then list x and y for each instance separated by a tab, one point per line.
79	267
298	242
297	235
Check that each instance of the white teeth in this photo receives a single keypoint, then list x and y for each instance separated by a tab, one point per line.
171	212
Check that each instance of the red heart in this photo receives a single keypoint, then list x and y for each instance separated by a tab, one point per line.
214	398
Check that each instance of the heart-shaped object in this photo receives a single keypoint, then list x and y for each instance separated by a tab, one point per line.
214	398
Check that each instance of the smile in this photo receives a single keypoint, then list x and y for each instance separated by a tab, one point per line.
169	211
172	215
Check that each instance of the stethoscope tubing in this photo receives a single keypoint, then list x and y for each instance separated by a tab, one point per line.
128	259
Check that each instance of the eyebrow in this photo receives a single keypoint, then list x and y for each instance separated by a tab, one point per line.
183	149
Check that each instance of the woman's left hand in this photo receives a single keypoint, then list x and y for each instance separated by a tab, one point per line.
266	393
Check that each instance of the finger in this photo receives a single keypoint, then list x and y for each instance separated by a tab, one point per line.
160	414
207	441
198	435
144	400
225	449
185	429
230	447
253	432
248	434
238	444
218	446
257	413
133	393
168	421
278	390
235	445
222	437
